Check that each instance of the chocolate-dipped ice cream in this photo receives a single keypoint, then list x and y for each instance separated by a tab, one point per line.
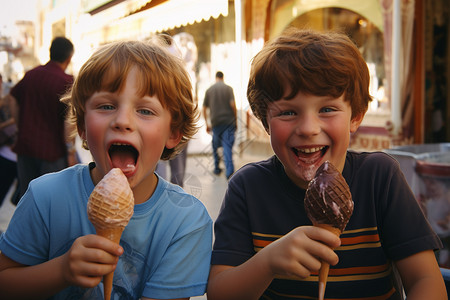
328	204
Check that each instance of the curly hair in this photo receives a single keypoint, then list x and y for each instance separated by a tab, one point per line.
320	64
160	74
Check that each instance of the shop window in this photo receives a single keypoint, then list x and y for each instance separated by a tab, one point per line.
362	21
366	36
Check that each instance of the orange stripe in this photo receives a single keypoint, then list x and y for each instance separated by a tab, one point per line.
360	270
344	241
357	270
381	297
360	239
260	243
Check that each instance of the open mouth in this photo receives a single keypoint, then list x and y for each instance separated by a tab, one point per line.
310	153
123	156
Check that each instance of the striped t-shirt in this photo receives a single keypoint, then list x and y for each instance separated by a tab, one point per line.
262	204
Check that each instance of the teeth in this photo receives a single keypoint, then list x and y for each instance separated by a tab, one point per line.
310	150
120	144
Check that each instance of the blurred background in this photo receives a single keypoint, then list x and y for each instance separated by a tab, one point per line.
404	42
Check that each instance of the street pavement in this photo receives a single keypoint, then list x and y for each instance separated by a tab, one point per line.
199	181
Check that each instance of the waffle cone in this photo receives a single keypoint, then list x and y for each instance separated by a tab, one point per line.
110	208
114	235
325	267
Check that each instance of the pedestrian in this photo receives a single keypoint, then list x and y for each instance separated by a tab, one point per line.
177	167
132	104
177	164
219	111
8	158
310	91
41	140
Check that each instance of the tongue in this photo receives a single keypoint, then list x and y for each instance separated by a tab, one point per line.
123	160
309	157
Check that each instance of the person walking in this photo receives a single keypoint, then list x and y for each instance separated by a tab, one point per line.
40	116
185	49
219	108
8	158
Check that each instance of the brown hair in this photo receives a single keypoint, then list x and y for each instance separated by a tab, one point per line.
320	64
161	74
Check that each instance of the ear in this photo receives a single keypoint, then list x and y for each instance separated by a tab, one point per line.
355	122
174	139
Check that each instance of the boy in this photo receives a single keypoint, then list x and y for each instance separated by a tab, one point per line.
132	104
310	90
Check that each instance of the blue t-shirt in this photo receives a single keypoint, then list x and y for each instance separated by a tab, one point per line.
167	242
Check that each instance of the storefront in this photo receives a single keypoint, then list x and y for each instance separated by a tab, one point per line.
404	42
364	22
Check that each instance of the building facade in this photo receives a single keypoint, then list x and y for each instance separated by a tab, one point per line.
404	42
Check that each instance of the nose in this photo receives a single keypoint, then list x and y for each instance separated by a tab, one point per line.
123	120
308	125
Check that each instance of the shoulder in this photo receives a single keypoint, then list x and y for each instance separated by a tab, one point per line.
371	168
55	69
257	177
27	78
259	169
61	180
371	161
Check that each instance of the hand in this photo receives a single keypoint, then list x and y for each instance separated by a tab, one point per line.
301	251
89	259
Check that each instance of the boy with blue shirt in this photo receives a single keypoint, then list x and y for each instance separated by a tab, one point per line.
310	91
132	105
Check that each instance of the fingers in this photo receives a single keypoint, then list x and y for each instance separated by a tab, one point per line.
302	251
89	259
99	242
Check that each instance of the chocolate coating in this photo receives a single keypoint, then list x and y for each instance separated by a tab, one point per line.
328	199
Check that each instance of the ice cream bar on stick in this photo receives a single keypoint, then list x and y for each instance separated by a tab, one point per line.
328	204
110	207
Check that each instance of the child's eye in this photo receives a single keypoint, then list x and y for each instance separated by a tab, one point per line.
327	109
287	113
145	112
107	107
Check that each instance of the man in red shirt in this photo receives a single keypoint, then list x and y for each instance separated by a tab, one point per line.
41	141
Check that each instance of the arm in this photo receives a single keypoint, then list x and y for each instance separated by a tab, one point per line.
8	122
233	108
296	254
13	106
10	103
69	133
205	115
89	258
421	276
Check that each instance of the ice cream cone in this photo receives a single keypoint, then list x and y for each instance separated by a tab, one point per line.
114	235
325	267
328	204
110	207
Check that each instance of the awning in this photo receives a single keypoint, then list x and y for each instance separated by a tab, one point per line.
176	13
128	19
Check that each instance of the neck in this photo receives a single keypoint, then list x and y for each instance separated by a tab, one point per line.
63	65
